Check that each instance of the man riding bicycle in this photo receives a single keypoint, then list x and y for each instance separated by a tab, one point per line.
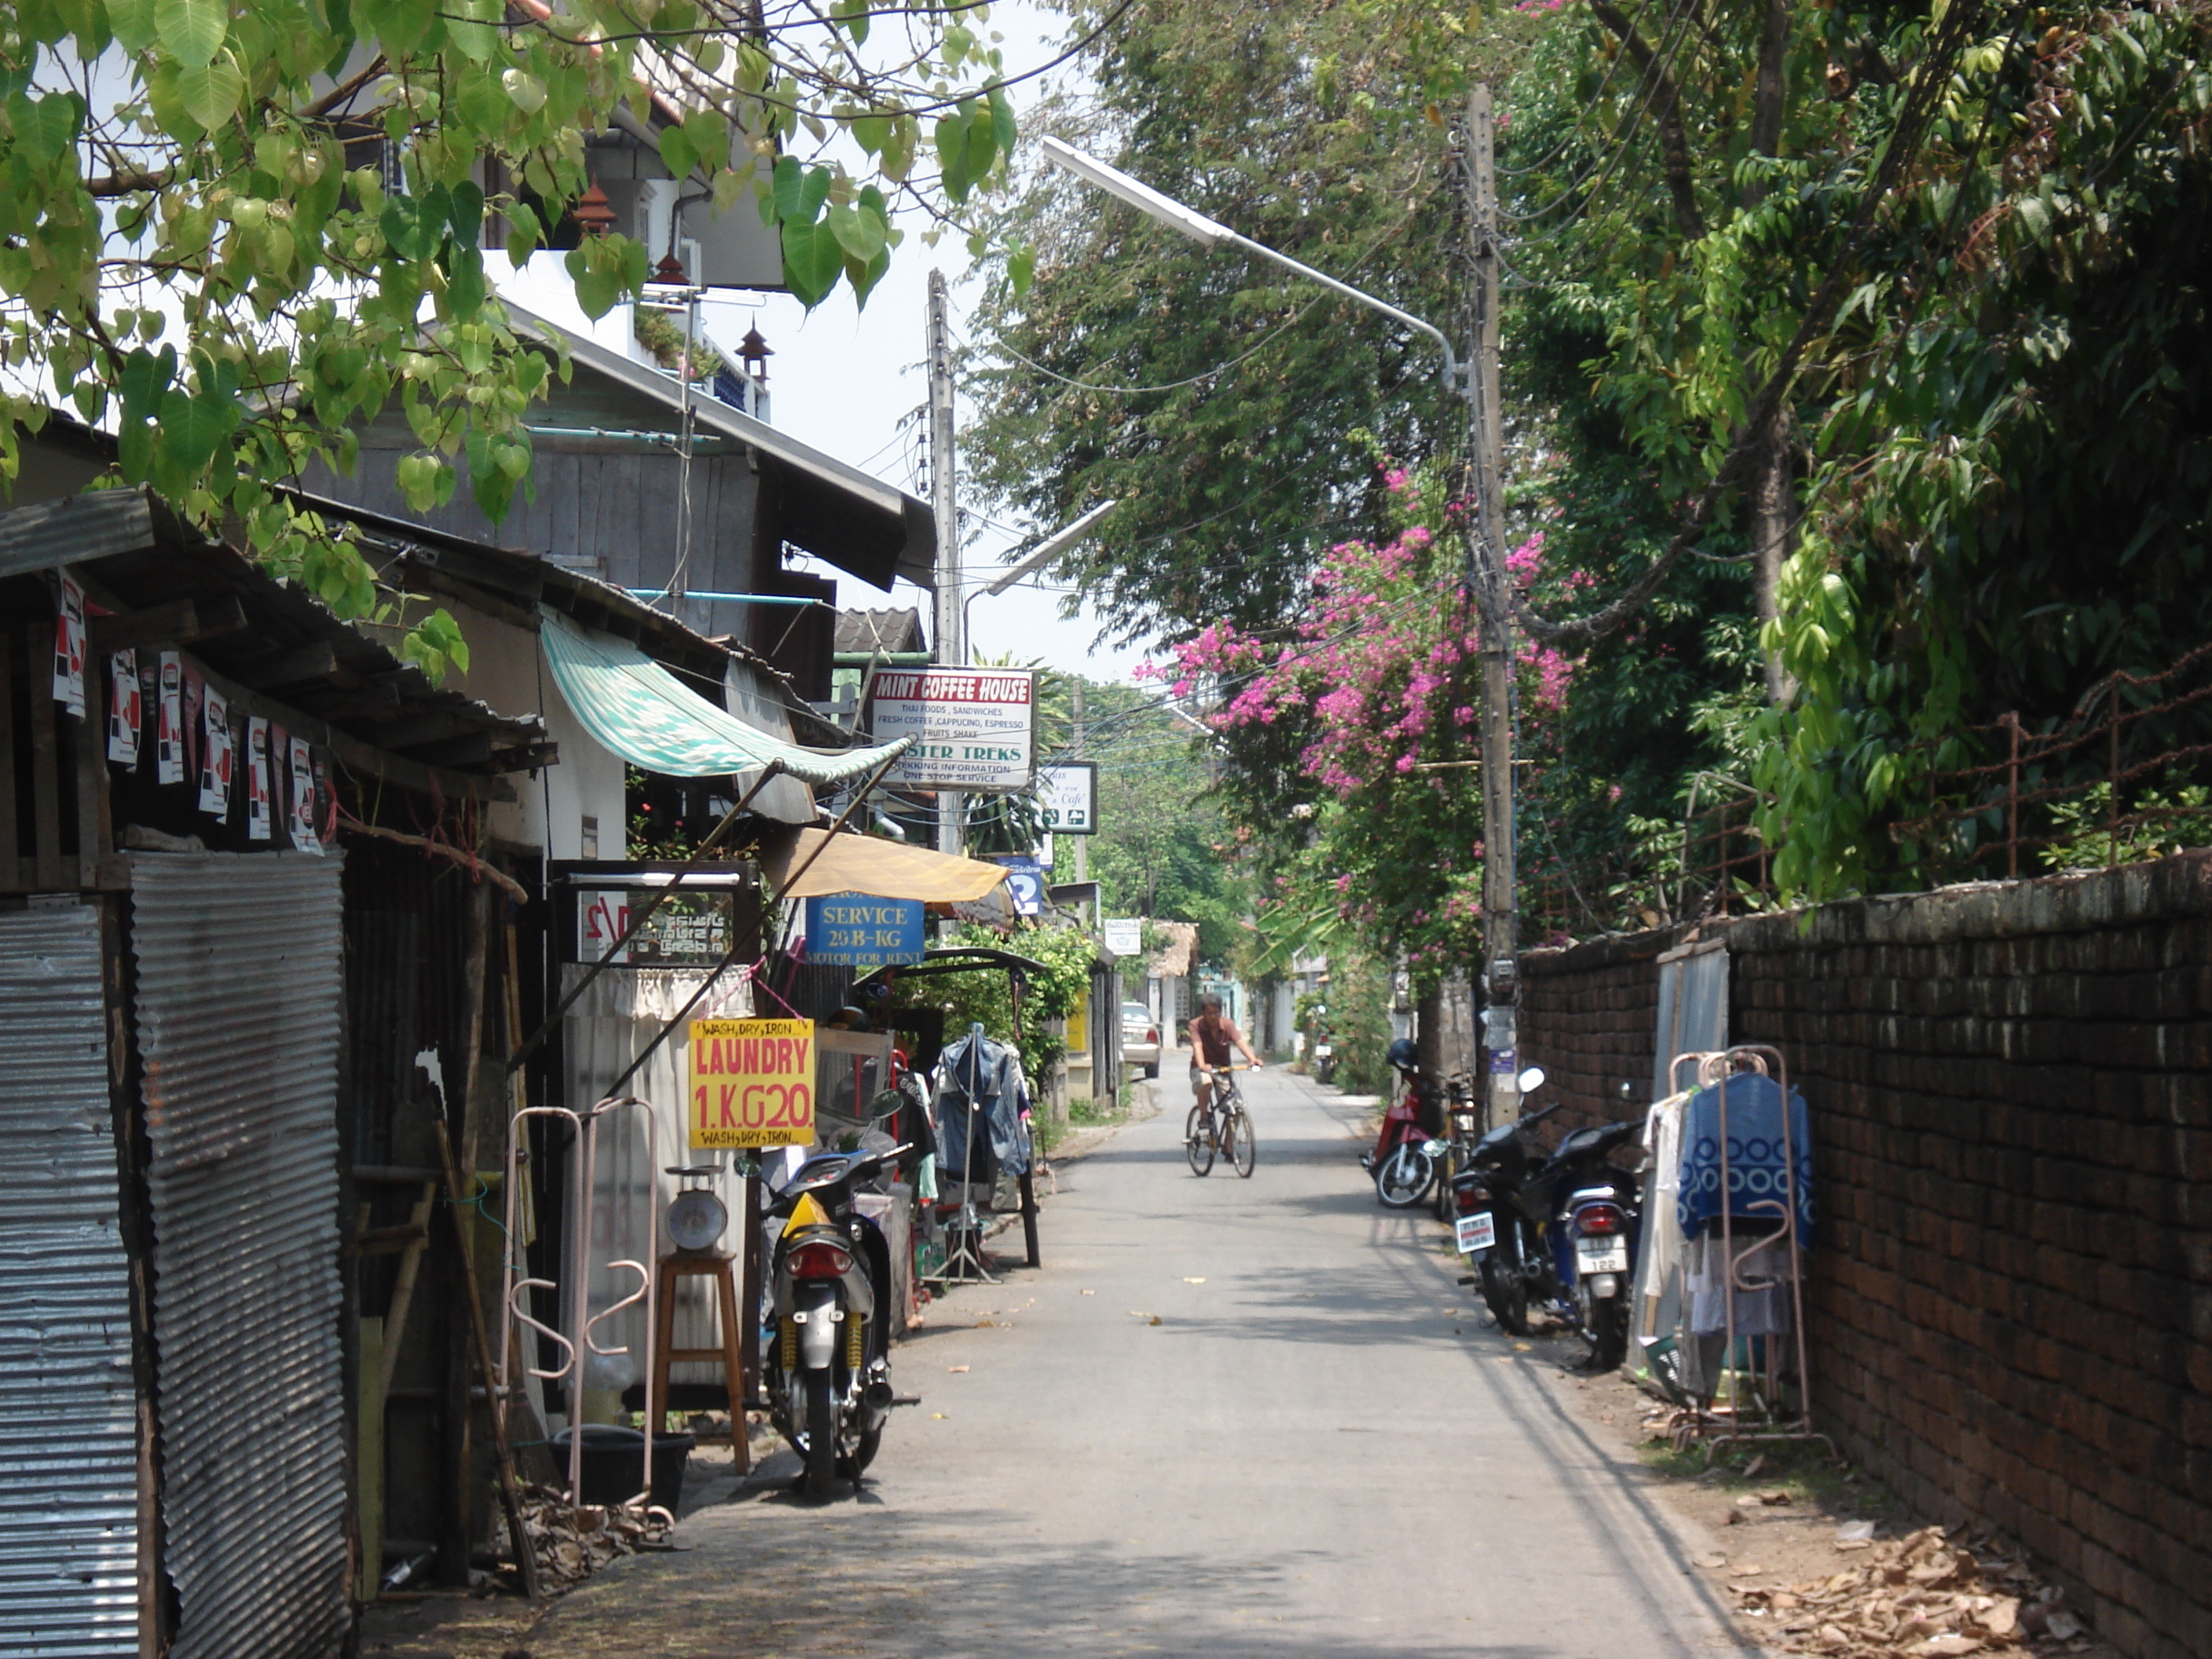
1213	1037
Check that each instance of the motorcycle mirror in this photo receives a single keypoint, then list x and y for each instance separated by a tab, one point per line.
1531	1080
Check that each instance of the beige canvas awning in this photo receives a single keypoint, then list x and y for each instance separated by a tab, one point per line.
877	868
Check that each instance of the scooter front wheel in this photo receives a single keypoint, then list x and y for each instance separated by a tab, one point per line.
821	1437
1401	1178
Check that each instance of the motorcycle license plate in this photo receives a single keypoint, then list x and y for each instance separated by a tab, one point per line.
1477	1232
1601	1255
1322	1051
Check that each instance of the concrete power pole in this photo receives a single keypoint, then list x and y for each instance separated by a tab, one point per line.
1075	752
1488	576
948	648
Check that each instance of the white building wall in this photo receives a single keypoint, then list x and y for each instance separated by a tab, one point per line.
586	782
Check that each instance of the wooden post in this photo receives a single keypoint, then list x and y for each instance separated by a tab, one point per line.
46	773
464	1310
750	1293
510	1499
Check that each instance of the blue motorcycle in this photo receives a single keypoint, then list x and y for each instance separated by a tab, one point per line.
1558	1232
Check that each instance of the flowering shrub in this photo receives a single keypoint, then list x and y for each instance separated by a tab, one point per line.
1380	680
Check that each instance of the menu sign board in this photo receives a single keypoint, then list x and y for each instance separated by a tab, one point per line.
974	728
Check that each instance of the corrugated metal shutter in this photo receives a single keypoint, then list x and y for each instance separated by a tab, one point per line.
69	1454
239	961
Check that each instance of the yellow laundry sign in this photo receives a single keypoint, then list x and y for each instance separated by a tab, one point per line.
752	1082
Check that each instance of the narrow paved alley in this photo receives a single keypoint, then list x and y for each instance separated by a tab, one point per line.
1227	1417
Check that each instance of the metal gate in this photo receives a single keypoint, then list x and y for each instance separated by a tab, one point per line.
68	1448
239	959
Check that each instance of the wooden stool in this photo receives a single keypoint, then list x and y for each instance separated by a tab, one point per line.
718	1267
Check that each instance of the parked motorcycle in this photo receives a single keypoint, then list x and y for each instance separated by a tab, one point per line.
1556	1231
1403	1165
827	1369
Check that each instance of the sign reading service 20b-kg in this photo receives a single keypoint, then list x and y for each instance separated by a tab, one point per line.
752	1082
973	729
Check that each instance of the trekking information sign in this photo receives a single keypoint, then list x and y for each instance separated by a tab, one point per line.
752	1082
973	729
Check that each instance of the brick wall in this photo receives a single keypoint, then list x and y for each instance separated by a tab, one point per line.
2011	1306
1588	1016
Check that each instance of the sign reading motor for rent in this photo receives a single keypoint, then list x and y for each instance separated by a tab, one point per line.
858	932
973	729
752	1082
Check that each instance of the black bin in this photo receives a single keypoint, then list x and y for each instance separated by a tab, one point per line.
612	1455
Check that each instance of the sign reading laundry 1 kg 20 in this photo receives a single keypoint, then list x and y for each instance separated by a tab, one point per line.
752	1082
855	931
973	729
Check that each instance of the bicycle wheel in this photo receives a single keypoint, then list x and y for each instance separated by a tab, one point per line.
1243	1146
1198	1140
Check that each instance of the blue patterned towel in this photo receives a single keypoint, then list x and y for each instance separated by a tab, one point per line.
1756	1181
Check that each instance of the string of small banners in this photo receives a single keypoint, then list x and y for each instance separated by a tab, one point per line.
197	735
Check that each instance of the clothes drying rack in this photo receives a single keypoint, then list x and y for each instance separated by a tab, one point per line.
1760	1387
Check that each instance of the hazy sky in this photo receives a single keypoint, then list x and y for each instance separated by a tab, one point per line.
845	380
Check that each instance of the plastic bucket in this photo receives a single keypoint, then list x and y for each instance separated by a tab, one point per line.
611	1456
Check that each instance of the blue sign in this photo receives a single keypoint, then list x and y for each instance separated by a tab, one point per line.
1024	884
859	931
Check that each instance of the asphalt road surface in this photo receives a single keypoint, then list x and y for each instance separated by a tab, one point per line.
1226	1418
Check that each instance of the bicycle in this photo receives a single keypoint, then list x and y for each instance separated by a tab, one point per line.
1466	1129
1222	1126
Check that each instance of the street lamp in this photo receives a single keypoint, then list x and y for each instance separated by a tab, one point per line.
1047	550
1477	383
1211	233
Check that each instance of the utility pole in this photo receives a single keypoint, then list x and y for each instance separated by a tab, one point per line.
949	648
1075	752
1488	578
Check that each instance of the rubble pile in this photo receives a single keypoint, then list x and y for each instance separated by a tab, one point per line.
1924	1593
572	1544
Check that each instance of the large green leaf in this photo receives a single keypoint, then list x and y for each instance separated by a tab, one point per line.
812	262
858	231
192	31
132	22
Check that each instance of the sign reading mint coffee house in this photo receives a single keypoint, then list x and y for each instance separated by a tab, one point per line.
973	729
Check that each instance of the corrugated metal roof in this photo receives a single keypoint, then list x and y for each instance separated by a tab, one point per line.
55	534
238	960
68	1454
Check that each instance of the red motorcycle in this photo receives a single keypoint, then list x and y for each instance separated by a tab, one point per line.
1404	1167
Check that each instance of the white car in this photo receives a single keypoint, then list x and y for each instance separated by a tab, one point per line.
1140	1038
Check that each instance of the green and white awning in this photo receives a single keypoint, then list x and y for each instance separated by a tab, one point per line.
643	713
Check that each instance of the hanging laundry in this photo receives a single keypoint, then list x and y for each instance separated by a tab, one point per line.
1759	1143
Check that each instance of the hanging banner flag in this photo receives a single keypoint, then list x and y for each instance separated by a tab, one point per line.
974	728
1024	884
69	648
258	823
125	713
169	721
752	1082
218	760
303	801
